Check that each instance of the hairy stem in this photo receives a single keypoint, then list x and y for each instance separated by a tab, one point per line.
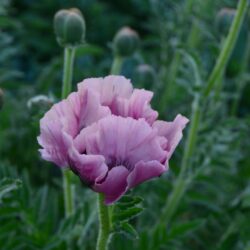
228	47
117	65
104	224
68	189
69	54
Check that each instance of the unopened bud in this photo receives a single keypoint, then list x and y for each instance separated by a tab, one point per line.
145	76
1	98
70	27
126	42
39	104
224	19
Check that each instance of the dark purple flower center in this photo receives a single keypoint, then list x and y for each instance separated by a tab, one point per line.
114	162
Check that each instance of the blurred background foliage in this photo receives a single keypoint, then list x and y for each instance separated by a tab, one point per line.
180	39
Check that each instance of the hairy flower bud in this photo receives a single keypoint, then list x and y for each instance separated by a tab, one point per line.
224	19
1	98
126	42
69	26
39	104
145	76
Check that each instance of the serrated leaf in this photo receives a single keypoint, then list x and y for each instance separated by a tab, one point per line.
128	230
128	214
129	201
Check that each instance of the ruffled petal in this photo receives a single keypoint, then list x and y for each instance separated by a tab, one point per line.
115	184
68	116
87	167
61	118
80	142
91	110
125	141
144	171
117	93
172	131
108	88
139	106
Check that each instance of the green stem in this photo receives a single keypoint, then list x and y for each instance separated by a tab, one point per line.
173	201
68	188
69	54
194	35
228	47
104	224
117	65
181	183
218	88
192	134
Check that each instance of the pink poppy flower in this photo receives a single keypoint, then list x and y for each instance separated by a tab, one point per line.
107	133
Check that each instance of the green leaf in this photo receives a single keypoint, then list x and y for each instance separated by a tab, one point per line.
7	186
129	201
128	214
128	230
182	229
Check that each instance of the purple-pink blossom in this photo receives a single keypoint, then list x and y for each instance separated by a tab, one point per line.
107	134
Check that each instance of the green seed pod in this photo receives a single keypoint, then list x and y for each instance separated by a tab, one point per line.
70	28
1	98
126	42
145	76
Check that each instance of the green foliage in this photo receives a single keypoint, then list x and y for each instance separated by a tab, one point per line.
125	210
180	41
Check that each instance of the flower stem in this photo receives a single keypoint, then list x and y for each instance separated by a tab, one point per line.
104	224
191	140
228	47
199	100
69	54
68	188
117	65
105	212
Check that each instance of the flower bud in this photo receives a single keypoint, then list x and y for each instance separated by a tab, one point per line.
145	76
1	98
39	104
126	42
69	26
224	20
